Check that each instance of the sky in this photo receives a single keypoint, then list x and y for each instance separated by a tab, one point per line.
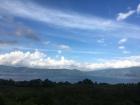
71	34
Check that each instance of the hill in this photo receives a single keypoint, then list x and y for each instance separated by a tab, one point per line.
124	75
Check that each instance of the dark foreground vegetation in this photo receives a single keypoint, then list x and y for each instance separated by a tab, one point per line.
38	92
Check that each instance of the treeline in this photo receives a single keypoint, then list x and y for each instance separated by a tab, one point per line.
48	83
42	83
86	92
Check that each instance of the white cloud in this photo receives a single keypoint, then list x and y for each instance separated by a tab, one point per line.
121	47
33	59
122	41
114	64
63	47
138	9
40	60
51	16
123	16
67	19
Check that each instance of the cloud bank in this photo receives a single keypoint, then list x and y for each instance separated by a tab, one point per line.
33	59
38	59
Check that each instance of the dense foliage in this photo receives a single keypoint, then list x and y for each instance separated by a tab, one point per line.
38	92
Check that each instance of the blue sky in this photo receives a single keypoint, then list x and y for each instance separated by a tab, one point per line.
89	31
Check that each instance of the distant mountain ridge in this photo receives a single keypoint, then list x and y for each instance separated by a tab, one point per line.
123	75
133	72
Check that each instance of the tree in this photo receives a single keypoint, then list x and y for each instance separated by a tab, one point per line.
86	82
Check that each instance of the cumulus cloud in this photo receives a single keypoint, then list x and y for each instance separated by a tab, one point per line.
38	59
138	9
33	59
123	16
